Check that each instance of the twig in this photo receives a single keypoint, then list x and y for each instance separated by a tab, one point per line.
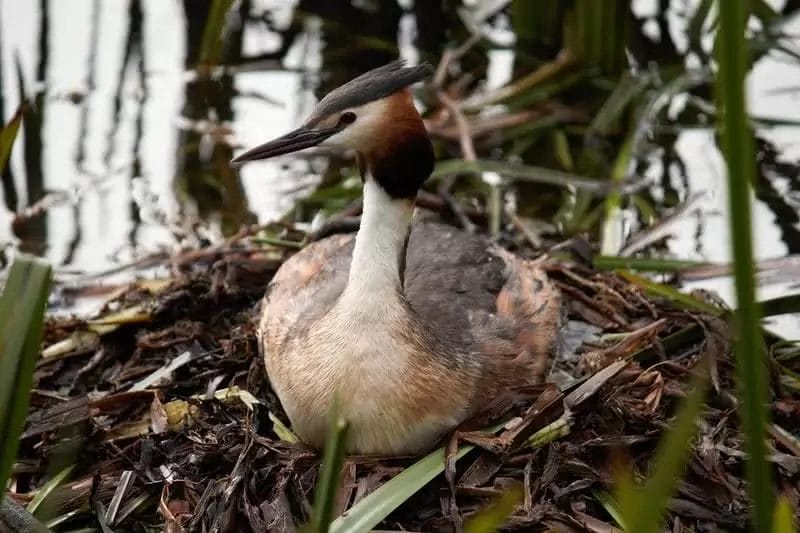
345	221
487	125
450	55
280	243
40	207
465	138
663	227
435	202
520	225
333	227
214	250
468	150
454	208
563	60
148	261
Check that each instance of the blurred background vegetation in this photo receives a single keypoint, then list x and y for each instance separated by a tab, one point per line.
134	114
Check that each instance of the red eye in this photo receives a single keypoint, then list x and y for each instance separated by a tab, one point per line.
347	117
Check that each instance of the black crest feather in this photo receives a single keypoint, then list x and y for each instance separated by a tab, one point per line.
372	85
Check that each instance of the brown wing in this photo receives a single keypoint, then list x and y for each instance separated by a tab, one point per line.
490	300
472	297
452	279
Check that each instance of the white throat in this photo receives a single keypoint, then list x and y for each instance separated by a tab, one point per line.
379	247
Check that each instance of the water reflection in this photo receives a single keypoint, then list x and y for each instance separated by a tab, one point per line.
204	177
123	126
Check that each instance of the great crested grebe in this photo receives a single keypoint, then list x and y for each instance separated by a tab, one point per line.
410	328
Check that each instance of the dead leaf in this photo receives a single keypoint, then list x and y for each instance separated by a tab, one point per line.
158	416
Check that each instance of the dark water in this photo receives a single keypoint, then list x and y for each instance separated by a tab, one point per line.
130	147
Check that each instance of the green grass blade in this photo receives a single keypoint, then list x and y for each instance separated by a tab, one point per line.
647	264
45	490
601	30
283	432
612	238
537	21
643	509
369	512
695	31
782	305
660	290
626	90
763	11
330	476
22	308
611	506
211	46
553	431
492	517
737	146
527	173
7	136
774	122
784	517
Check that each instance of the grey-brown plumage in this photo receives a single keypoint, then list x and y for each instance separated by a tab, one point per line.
480	321
409	328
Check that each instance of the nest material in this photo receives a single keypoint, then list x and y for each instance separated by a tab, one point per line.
152	441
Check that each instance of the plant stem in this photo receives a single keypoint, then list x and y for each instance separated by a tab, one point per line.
737	144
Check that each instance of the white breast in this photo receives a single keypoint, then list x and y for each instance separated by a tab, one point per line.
357	359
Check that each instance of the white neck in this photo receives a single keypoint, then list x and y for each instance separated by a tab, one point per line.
379	247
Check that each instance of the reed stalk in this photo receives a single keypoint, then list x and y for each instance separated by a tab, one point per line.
737	146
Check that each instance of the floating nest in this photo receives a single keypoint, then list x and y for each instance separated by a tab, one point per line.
159	416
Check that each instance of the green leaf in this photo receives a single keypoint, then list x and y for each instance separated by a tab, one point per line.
643	509
611	506
518	172
537	21
274	241
665	291
330	475
738	148
695	30
376	506
647	213
561	150
628	88
601	29
492	517
784	517
283	432
774	122
764	11
612	234
22	308
7	136
551	432
610	262
782	305
47	488
785	350
211	46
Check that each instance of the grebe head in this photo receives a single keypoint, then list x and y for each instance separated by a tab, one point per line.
374	116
